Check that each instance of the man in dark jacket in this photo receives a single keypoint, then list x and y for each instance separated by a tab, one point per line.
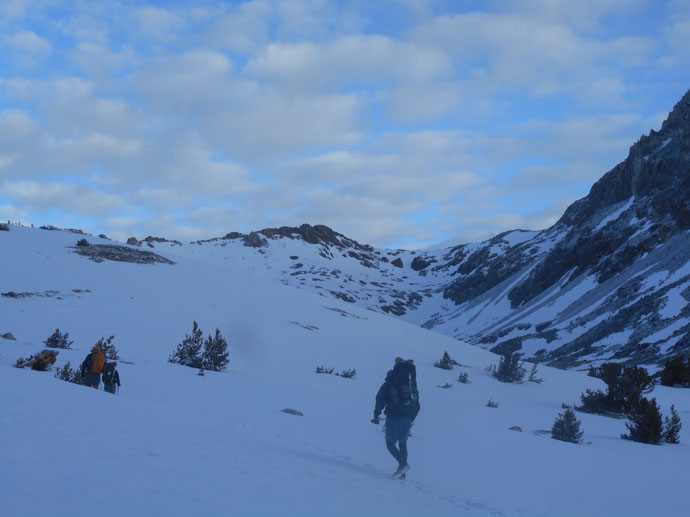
399	399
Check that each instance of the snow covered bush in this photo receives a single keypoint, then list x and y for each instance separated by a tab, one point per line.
672	427
491	403
215	355
323	369
510	368
644	422
566	427
58	340
445	363
82	242
348	374
464	378
188	352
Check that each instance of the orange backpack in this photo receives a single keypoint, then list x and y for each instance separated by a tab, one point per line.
97	360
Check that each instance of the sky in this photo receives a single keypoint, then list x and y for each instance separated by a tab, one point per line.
400	124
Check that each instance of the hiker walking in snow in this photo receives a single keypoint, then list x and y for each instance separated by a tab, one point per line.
92	367
111	377
399	399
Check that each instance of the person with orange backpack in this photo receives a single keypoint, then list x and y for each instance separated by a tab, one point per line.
92	367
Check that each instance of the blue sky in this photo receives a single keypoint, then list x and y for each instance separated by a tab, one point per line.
399	124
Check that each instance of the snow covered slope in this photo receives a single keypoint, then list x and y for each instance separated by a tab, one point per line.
175	443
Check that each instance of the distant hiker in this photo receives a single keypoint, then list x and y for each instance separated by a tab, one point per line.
92	367
400	398
111	377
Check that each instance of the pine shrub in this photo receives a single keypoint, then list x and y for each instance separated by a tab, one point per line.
644	422
188	352
672	427
624	389
492	403
510	368
348	374
593	402
65	373
566	427
464	378
58	340
215	354
82	242
533	375
108	347
676	371
323	369
445	363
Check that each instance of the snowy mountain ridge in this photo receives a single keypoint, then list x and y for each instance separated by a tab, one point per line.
609	281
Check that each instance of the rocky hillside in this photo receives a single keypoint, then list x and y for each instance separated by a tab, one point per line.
609	281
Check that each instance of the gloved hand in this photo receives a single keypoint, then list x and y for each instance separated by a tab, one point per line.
375	420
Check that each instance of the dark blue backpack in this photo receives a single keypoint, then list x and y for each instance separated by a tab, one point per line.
109	373
404	396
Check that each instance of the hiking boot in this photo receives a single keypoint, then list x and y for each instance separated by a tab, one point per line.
400	473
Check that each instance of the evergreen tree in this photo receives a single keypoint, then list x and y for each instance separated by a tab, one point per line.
567	427
672	427
108	347
510	368
644	422
215	355
58	340
188	352
625	387
675	372
533	375
65	373
445	363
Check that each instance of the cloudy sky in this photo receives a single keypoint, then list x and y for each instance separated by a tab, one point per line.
398	123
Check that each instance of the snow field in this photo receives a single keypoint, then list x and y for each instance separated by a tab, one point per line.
175	443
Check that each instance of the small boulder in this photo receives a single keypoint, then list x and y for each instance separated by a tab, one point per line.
516	428
290	411
9	336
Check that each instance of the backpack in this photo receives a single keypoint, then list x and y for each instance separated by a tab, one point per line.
97	361
109	373
403	393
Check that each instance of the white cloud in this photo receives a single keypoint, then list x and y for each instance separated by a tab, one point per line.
31	43
72	199
393	126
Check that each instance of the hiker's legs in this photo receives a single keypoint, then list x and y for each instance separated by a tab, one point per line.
393	450
110	388
397	430
92	380
403	452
